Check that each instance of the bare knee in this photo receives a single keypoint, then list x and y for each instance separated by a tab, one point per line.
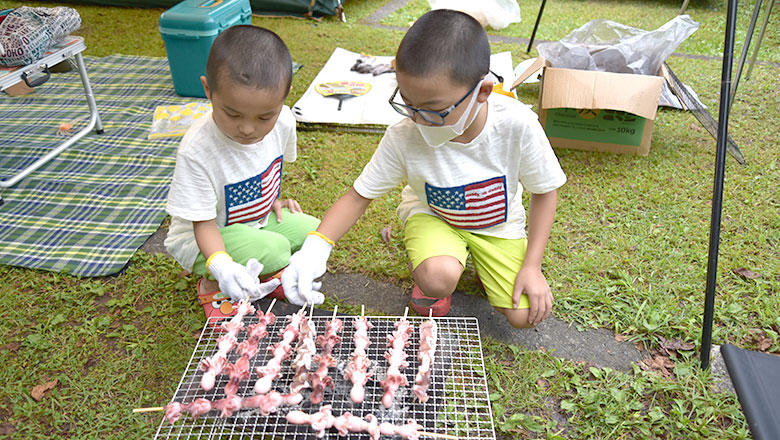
438	276
517	318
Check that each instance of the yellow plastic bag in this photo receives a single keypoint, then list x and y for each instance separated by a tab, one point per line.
174	120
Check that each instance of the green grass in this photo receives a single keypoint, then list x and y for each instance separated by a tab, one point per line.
628	253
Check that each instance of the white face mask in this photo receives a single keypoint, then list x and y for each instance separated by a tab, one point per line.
436	136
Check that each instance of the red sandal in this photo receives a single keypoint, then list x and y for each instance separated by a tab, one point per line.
425	304
216	305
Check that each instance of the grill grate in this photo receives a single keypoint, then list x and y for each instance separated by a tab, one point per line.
458	402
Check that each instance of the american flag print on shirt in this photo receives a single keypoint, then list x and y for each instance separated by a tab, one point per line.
251	199
474	206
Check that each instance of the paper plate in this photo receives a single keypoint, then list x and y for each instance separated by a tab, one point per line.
522	68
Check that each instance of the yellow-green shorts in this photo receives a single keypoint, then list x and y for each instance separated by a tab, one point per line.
497	260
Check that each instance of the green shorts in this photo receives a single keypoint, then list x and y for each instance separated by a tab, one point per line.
497	260
272	244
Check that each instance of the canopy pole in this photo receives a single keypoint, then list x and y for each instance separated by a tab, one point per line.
717	189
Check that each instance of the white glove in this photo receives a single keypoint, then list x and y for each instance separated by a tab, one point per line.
306	265
234	279
255	268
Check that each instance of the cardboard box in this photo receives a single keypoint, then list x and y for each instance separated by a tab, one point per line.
596	111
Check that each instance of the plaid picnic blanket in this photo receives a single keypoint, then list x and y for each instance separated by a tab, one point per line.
88	210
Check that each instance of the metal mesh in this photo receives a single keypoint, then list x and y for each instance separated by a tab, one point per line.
458	397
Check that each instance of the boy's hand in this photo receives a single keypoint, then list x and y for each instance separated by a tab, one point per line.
255	268
290	204
234	279
531	281
306	265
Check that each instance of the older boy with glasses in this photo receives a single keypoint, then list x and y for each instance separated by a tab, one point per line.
464	158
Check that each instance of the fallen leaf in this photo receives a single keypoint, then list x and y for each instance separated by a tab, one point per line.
619	337
675	344
7	428
763	343
39	391
541	383
658	363
12	346
387	233
746	273
139	279
695	127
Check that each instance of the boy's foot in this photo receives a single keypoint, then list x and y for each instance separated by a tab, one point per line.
425	304
215	303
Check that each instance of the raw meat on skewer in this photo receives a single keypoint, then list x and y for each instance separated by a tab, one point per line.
320	421
358	365
396	359
428	338
228	405
304	353
269	403
266	403
320	379
281	351
214	365
323	420
248	349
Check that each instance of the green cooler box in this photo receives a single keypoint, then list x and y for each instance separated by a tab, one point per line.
188	30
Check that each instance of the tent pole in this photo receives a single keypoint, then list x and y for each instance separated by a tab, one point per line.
536	26
717	189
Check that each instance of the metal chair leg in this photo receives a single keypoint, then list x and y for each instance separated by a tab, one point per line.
760	38
94	122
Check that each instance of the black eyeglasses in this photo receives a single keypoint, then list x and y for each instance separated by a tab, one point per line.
433	117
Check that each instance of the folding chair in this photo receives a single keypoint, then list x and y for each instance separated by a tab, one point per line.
756	378
36	74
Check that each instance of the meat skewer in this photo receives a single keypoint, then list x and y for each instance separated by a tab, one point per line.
428	339
357	368
396	359
323	420
320	379
304	353
213	366
281	351
248	349
266	403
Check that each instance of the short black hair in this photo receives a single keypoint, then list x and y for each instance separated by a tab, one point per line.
448	42
249	56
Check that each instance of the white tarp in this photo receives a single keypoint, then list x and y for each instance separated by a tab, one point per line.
371	108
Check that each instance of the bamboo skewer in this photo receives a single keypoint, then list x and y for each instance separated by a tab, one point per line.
271	306
422	433
149	409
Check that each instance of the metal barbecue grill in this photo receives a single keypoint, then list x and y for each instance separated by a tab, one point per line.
458	402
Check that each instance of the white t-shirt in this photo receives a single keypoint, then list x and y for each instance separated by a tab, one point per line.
471	186
218	178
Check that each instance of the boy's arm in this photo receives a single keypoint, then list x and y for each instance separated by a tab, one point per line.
310	262
208	237
530	279
343	214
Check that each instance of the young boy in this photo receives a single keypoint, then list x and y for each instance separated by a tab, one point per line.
462	156
224	198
